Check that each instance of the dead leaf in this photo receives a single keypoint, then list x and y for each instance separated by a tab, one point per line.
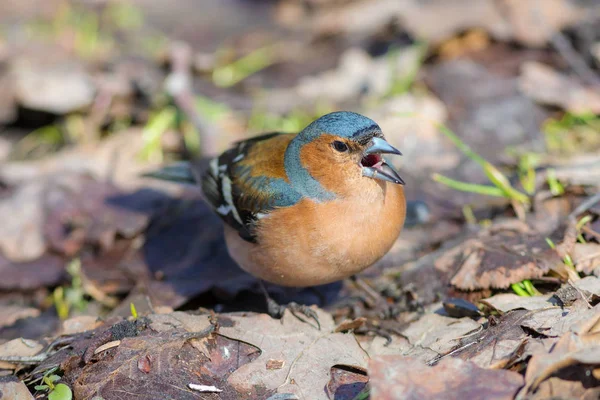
498	259
439	333
13	389
22	215
546	86
498	345
8	105
309	354
20	348
526	21
570	350
59	89
379	346
157	355
46	271
589	284
481	98
90	213
397	377
505	302
346	383
356	74
80	324
586	257
578	319
10	314
350	324
581	170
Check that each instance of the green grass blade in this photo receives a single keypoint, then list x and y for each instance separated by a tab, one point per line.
469	187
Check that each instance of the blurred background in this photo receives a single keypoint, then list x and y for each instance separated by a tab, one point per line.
94	93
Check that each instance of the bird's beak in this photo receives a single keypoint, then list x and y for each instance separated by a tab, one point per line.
374	166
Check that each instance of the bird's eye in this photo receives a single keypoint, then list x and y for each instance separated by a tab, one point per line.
340	146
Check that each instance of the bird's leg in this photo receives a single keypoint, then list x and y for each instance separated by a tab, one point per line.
276	310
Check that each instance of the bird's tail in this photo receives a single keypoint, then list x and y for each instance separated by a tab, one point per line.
178	172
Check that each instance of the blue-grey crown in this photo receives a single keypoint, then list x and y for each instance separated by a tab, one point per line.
341	123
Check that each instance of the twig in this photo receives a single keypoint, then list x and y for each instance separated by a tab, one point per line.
179	85
566	51
574	59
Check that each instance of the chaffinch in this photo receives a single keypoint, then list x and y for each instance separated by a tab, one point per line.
312	208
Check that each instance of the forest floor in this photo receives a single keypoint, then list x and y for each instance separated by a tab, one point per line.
116	286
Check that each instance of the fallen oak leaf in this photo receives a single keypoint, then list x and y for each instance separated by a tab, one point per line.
398	377
498	345
505	302
12	388
498	259
308	353
438	332
569	350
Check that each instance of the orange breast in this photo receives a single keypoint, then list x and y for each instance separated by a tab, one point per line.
316	243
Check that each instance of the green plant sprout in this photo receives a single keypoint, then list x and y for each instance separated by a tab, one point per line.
573	133
156	127
567	260
55	391
90	31
295	121
468	214
133	310
235	72
38	143
363	394
502	186
403	83
526	170
556	188
525	289
169	118
65	299
580	224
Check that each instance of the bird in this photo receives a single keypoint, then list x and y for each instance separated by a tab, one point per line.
310	208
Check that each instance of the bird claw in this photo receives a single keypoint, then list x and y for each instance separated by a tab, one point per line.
276	310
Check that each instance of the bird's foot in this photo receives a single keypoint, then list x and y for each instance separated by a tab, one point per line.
299	311
276	310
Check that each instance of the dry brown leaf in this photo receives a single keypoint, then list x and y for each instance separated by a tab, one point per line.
309	354
379	346
398	377
161	354
545	85
505	302
80	324
439	333
346	383
46	271
10	314
58	89
527	21
498	345
13	389
22	216
90	212
569	351
586	257
498	260
589	284
19	348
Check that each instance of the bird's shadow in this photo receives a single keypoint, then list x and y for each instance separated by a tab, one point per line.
186	260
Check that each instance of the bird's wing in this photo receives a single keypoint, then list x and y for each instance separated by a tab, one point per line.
247	181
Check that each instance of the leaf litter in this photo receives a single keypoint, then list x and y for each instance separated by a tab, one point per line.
440	317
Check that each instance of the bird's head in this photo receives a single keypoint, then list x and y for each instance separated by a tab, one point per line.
345	146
